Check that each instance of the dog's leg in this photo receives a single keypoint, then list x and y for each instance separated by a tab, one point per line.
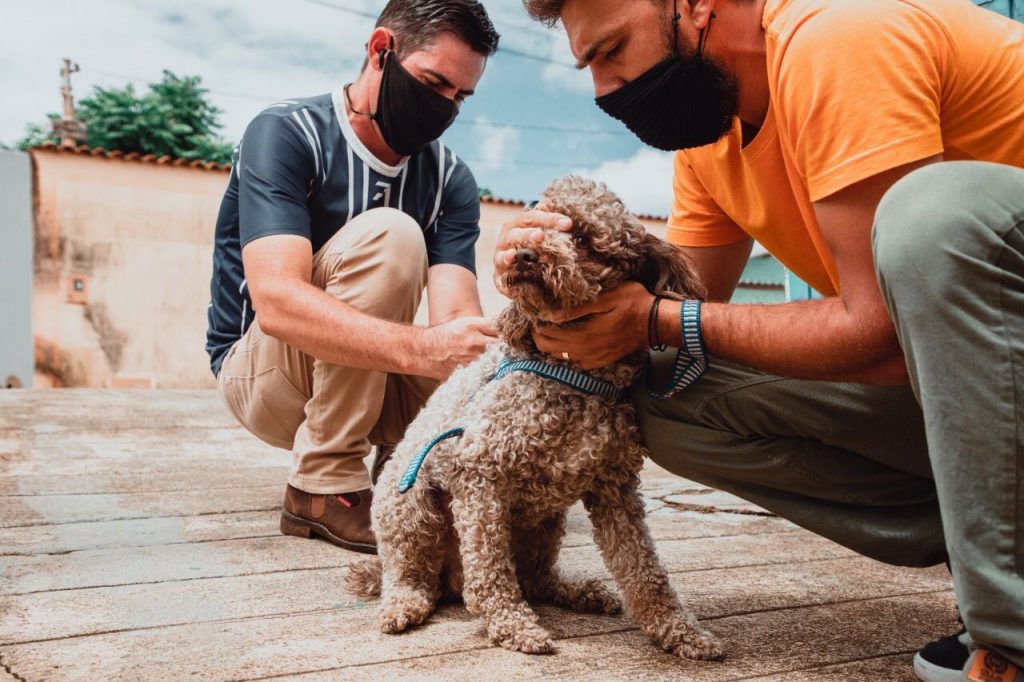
490	589
408	531
536	552
617	513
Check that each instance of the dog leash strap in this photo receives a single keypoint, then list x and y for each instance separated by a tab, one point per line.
691	358
409	478
581	381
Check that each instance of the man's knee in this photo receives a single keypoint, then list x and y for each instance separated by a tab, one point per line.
384	245
386	229
912	217
400	233
936	214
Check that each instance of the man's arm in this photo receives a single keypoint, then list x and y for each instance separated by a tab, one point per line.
451	293
279	274
844	338
849	337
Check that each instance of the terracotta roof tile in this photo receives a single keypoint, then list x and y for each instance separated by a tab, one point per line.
490	199
130	156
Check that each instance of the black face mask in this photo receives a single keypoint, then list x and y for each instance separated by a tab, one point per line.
678	103
410	114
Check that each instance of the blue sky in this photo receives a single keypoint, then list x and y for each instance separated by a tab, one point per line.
250	54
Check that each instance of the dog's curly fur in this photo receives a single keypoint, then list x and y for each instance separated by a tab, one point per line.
486	516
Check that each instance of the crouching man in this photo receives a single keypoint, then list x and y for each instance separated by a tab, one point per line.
341	208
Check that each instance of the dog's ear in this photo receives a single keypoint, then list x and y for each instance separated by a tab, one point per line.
516	329
664	269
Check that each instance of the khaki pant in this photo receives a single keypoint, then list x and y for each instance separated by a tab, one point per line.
329	415
905	475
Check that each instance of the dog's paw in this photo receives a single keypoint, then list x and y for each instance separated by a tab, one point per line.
393	622
698	644
530	639
396	618
595	597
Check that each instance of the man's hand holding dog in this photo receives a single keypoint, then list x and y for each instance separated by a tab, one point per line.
615	324
527	229
610	328
456	343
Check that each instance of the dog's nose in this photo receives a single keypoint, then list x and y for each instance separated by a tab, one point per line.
525	258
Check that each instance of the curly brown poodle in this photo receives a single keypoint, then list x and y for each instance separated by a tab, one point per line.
486	515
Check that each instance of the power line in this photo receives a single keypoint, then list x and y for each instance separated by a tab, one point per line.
505	19
470	121
342	8
501	50
540	128
480	122
223	93
520	162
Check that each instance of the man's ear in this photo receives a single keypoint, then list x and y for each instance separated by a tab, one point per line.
664	269
381	40
516	329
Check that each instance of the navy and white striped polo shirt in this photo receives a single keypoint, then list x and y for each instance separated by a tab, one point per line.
300	169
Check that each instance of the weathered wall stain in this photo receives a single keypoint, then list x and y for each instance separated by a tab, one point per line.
56	367
140	235
111	339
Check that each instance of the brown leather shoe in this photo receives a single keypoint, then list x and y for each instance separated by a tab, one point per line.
343	518
380	458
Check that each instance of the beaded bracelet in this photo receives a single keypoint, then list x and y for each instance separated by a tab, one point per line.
691	360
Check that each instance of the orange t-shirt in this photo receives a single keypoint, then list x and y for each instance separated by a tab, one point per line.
857	87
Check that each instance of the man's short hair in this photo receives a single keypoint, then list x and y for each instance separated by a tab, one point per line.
548	12
418	23
545	11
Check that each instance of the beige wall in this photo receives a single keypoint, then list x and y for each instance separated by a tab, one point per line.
140	237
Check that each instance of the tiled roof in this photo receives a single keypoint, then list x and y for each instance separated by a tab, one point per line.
132	156
489	199
210	165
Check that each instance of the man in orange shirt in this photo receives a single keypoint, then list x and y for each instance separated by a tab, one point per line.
875	147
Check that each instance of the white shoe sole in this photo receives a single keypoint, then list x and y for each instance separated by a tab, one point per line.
929	672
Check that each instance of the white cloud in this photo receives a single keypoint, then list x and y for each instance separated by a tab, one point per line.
262	50
558	77
643	181
495	145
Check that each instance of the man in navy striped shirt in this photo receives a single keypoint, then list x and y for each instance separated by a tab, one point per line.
341	208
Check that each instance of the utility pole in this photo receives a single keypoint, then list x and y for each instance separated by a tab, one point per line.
67	128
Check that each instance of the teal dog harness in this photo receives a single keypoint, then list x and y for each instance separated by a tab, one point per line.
581	381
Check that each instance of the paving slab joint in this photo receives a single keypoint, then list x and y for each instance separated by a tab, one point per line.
9	671
709	509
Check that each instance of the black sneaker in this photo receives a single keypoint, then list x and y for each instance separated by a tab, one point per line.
942	660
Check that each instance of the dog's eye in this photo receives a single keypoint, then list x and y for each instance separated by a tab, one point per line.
581	240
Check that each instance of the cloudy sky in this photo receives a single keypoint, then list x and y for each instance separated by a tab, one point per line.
531	120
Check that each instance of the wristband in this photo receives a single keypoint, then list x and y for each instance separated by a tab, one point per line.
691	360
693	339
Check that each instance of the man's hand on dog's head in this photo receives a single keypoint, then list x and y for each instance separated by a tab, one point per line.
615	326
526	230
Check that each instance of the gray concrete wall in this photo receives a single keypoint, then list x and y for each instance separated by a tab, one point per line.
16	347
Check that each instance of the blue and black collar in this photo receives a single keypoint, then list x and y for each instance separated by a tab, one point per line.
581	381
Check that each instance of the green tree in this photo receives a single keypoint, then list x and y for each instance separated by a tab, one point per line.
173	119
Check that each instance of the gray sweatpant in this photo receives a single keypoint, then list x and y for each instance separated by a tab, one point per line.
906	475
